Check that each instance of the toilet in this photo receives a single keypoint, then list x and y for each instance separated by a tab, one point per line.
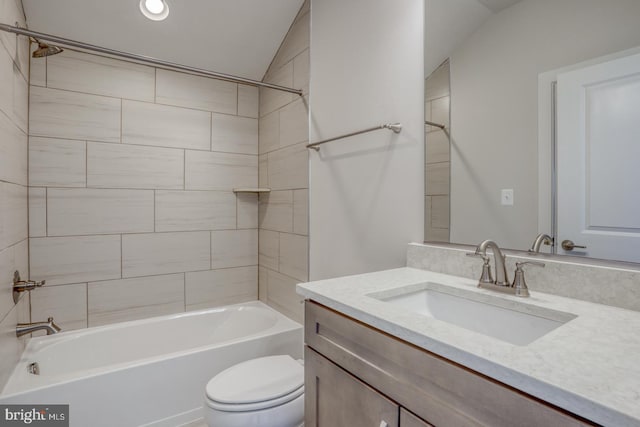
263	392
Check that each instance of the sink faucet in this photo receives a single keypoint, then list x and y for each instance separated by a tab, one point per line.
27	328
540	239
501	269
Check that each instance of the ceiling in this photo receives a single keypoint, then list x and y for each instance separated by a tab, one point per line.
238	37
449	22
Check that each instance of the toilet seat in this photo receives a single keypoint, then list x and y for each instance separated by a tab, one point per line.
256	384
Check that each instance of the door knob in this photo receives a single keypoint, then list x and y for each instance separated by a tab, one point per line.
568	245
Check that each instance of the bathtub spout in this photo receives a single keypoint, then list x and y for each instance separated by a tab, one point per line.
27	328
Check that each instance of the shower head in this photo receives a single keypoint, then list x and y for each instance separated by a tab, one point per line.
44	50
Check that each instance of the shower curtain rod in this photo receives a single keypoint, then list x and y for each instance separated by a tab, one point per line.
141	58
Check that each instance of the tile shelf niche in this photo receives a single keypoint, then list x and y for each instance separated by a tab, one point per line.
251	190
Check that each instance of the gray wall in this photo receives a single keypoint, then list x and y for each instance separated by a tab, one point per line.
366	192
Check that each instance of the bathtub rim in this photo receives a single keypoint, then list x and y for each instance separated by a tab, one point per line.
283	324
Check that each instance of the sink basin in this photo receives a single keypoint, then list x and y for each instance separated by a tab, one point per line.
507	320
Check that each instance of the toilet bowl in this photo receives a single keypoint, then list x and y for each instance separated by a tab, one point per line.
262	392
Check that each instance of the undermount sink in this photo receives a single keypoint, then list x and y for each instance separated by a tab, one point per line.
506	320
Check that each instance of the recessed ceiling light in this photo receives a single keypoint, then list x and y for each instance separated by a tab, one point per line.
156	10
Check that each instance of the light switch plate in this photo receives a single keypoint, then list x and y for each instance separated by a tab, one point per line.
507	197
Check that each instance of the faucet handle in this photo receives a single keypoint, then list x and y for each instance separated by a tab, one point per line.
486	276
519	284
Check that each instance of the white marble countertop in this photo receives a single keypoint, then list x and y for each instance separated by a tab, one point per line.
589	366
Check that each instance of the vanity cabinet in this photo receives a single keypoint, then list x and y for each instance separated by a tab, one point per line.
356	375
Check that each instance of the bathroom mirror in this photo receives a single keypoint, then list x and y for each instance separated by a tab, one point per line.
491	68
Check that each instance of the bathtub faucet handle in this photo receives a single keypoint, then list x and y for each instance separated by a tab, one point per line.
20	285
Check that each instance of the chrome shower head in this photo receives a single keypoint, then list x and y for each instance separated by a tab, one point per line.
44	50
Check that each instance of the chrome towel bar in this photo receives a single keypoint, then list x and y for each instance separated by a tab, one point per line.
395	127
438	125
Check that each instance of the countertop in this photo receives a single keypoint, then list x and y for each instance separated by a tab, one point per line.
589	366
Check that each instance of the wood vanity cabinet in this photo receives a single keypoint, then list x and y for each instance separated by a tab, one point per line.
358	376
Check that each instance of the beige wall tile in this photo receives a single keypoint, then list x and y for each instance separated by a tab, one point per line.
437	147
185	90
234	248
233	134
61	260
301	212
13	152
437	84
271	100
13	214
130	299
57	162
74	211
11	347
81	72
296	41
132	166
281	295
438	235
37	70
11	259
437	176
440	211
220	171
294	123
262	284
269	132
195	210
294	256
163	253
289	168
14	91
276	211
248	101
269	249
221	287
263	170
17	47
60	114
301	71
165	126
37	212
247	210
427	217
440	111
67	304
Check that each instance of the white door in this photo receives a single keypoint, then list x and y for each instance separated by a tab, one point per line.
598	155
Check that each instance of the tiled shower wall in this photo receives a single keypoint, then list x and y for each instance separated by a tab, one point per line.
131	209
438	163
14	72
284	167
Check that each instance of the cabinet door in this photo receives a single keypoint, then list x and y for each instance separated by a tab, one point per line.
407	419
334	398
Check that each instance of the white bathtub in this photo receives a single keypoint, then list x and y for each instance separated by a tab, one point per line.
147	372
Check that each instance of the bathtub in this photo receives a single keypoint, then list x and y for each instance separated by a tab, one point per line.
149	372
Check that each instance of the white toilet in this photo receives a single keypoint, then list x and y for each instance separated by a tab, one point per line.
263	392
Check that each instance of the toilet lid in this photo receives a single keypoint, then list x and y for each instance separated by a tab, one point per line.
257	380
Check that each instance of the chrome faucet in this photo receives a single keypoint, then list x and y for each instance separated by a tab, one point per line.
501	284
540	239
27	328
501	269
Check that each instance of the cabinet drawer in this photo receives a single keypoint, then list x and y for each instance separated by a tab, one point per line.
435	389
334	398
